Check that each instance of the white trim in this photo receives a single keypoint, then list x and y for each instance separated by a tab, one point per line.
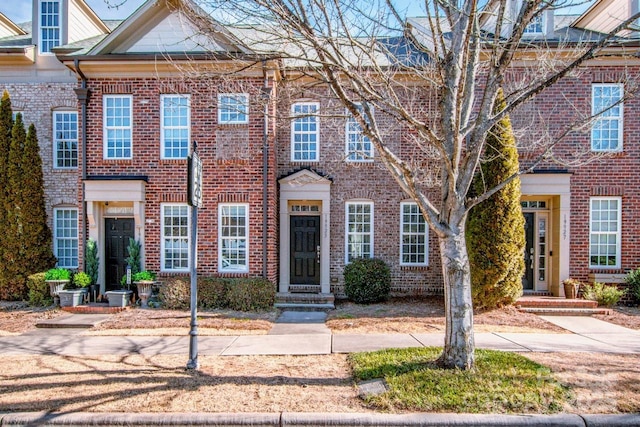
55	139
245	104
617	233
163	128
66	238
105	128
346	227
246	237
619	118
426	237
163	237
317	132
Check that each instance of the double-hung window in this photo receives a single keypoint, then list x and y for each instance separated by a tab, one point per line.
175	132
606	132
65	139
65	236
175	237
359	147
414	235
305	133
233	108
604	232
233	237
359	230
49	25
117	126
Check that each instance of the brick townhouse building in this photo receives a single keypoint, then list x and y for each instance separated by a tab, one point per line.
293	196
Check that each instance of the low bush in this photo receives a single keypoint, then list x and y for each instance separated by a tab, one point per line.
81	280
606	296
212	292
39	290
367	280
633	281
57	274
250	294
242	294
175	293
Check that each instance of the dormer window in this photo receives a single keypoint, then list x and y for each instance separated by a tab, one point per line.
50	31
535	26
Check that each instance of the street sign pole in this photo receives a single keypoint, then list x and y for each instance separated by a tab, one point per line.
195	200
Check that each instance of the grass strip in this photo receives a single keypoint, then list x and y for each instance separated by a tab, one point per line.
501	382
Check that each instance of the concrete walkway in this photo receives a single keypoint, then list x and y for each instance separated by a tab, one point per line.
306	334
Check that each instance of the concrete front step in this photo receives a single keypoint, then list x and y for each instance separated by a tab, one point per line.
304	301
559	311
74	321
554	302
94	308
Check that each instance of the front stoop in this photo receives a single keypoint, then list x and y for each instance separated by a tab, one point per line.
557	306
94	308
304	301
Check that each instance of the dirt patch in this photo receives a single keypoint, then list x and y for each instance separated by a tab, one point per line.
425	315
17	317
629	317
601	383
162	384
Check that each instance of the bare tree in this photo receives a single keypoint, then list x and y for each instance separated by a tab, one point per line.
437	77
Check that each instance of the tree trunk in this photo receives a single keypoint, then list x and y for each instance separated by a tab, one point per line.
459	344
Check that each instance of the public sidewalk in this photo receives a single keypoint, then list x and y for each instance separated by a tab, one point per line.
306	334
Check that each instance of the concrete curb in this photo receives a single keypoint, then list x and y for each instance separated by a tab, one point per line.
313	419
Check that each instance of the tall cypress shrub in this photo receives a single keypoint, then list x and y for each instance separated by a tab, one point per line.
495	229
38	253
15	277
6	125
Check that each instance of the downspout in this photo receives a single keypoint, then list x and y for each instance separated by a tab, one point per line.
83	97
266	98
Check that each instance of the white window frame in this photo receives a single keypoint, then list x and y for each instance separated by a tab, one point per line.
58	238
348	234
532	27
58	119
354	130
46	44
607	116
603	233
309	119
238	268
121	128
164	128
164	238
410	234
226	113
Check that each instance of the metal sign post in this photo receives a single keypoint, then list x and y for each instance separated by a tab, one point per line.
195	200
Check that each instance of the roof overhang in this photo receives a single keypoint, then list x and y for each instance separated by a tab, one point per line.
23	55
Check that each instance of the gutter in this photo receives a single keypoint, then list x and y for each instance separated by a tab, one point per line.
83	97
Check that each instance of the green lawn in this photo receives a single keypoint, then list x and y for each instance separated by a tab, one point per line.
501	382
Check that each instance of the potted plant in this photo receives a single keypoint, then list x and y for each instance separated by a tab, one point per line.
75	292
92	268
57	278
143	281
571	287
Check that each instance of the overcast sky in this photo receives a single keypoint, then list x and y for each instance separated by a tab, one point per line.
20	10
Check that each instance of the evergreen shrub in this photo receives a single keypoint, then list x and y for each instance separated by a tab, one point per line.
367	280
250	294
633	281
39	294
605	295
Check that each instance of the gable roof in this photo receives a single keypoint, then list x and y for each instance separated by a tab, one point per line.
9	28
168	26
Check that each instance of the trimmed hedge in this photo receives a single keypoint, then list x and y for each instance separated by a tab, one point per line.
39	294
367	280
242	294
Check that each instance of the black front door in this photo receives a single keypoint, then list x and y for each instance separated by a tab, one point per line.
305	250
118	231
529	255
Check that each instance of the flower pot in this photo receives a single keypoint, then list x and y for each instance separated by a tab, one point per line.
570	290
118	298
72	297
144	292
55	286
